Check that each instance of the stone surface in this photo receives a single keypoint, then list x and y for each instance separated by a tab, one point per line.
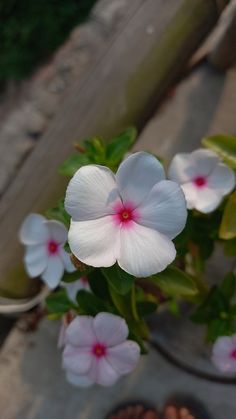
203	103
33	385
27	109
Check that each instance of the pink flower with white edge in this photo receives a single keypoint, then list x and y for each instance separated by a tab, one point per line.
224	353
72	288
97	350
130	217
45	256
204	179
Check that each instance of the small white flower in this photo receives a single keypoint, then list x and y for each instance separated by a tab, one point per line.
72	288
224	353
130	217
45	256
97	350
204	179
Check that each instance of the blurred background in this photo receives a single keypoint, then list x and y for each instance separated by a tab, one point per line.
69	70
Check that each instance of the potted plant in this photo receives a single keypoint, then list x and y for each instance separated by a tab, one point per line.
126	242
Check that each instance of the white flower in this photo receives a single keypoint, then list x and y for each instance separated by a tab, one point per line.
45	255
72	288
204	179
224	353
130	217
97	350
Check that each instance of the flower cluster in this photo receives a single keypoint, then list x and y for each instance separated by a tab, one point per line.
125	229
97	350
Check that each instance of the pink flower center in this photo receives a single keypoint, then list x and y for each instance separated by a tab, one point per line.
84	280
233	354
200	181
99	350
125	214
52	247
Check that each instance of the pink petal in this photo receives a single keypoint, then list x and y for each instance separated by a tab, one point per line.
102	373
79	380
110	329
222	179
36	259
164	209
91	193
137	175
145	251
95	242
57	230
65	257
80	332
77	360
124	357
53	272
33	230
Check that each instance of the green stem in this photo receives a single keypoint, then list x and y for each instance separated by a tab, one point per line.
133	303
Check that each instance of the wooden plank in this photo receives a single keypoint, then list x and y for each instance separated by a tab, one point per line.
139	65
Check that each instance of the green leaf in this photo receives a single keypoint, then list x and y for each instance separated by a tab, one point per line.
224	146
120	280
228	223
119	145
219	327
73	163
59	213
98	284
122	303
214	305
90	303
145	308
230	247
74	276
58	303
228	286
95	150
175	282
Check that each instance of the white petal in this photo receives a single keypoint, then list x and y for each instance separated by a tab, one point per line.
222	178
53	272
79	380
36	259
65	257
164	209
77	360
181	168
204	161
102	372
185	166
72	289
137	175
223	346
57	230
110	329
34	230
190	193
80	332
145	251
91	193
95	242
224	364
124	357
207	200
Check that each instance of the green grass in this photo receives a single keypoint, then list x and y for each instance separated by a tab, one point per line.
31	30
